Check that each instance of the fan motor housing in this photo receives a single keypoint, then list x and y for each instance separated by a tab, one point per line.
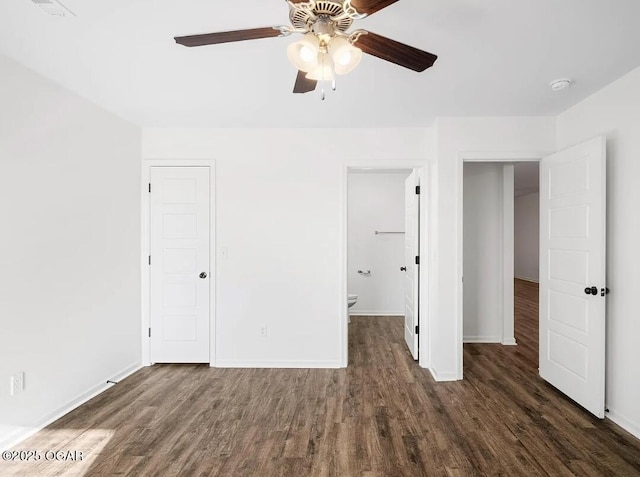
305	15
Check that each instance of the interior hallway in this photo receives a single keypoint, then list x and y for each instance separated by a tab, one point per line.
383	416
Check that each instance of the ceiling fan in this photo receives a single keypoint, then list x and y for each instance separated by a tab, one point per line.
326	49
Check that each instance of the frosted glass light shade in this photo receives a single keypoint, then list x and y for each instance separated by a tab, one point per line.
345	56
304	53
324	70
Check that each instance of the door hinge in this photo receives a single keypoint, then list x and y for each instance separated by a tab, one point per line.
417	330
149	259
149	187
149	332
417	260
417	190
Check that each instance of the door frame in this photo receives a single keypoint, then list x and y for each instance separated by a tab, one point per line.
479	157
145	250
425	250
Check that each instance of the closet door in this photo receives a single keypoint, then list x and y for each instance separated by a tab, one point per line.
180	274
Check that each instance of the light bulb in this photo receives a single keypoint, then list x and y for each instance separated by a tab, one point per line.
304	53
345	55
344	59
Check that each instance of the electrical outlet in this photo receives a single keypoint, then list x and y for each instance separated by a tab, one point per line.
19	381
263	331
16	383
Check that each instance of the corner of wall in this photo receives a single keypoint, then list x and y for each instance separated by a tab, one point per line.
444	377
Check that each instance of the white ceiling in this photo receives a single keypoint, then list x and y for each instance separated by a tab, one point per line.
497	58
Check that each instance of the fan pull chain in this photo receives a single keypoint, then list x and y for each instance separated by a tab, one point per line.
323	94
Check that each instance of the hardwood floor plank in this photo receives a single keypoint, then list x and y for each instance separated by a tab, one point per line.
382	416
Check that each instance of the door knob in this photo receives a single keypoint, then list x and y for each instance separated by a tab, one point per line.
203	275
403	269
591	290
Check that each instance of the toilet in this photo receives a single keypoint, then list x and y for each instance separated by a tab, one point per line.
352	299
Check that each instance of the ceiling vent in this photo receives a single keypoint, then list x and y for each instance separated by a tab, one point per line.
54	8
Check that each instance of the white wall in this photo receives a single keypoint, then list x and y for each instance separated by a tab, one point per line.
456	137
376	202
280	216
69	248
483	253
527	236
615	113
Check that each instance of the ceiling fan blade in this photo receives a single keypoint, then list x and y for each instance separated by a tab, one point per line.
371	6
228	36
395	52
303	84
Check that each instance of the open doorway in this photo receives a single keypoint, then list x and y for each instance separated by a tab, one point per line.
484	251
500	250
384	231
375	259
376	234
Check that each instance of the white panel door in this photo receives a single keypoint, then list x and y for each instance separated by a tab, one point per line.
572	261
412	251
180	281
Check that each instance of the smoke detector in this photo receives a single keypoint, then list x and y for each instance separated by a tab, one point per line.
560	84
54	8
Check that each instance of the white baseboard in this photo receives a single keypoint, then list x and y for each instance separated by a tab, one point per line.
626	424
374	313
444	377
509	342
23	433
482	339
233	363
526	279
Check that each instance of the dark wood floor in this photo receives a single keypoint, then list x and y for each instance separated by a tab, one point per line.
383	416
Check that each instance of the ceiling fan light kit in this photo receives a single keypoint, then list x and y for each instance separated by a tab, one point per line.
326	49
322	61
